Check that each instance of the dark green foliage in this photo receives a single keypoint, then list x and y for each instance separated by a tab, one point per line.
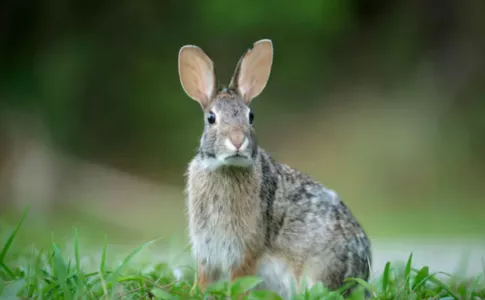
103	75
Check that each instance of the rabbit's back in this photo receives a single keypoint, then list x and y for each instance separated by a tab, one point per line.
313	231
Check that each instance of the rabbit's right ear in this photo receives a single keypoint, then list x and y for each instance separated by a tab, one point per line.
197	76
253	70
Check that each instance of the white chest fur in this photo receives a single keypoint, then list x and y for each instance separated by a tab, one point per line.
225	219
219	249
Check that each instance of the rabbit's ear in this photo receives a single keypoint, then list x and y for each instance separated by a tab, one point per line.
197	76
253	69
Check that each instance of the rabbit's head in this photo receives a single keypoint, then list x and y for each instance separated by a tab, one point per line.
229	138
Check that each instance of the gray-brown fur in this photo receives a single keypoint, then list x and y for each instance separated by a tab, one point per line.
251	215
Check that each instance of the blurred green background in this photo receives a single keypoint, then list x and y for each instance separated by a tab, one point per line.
382	101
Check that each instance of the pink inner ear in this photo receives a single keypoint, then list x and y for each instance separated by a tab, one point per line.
197	74
248	89
254	71
208	82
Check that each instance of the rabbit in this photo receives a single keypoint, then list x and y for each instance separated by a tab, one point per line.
249	215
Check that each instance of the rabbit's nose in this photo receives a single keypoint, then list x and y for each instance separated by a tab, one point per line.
237	139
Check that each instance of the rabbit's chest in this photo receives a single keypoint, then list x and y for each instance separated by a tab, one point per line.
221	229
225	219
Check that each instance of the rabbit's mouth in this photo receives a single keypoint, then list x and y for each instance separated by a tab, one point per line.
236	157
238	160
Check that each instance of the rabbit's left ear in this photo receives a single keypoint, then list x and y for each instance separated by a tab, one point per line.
253	70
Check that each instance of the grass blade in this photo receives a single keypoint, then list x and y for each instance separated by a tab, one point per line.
126	260
7	270
9	242
243	284
103	255
363	283
443	286
161	294
385	277
102	267
420	278
407	272
345	287
79	273
61	271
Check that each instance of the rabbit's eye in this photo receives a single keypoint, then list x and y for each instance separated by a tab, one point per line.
251	117
211	118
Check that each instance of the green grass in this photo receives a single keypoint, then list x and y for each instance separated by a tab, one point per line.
55	273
